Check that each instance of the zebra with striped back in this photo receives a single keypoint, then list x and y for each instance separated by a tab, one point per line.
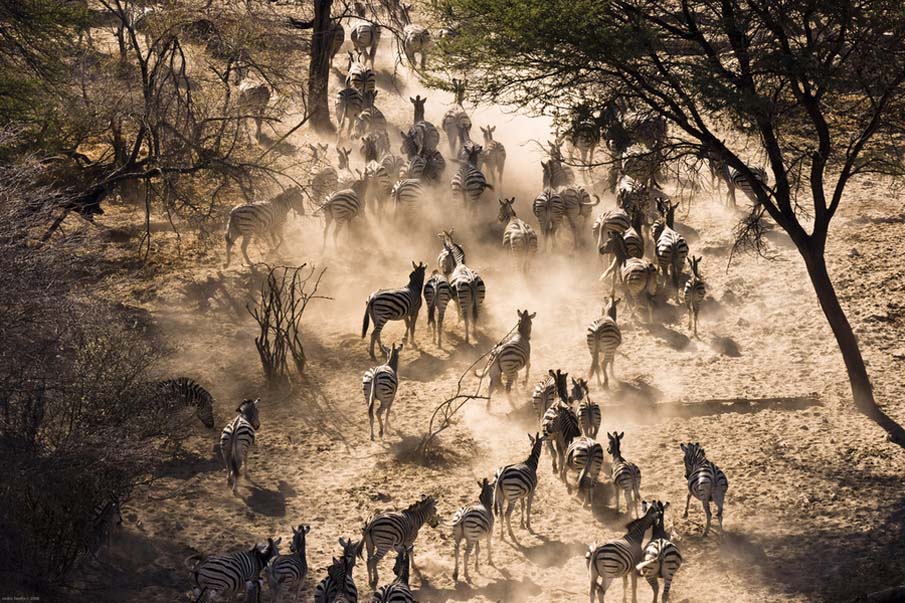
451	255
225	575
188	393
671	247
286	571
514	483
589	415
610	221
736	180
549	210
604	338
425	135
408	198
456	120
365	39
577	204
371	120
634	240
618	558
360	77
472	524
379	386
437	293
469	291
638	277
390	529
416	39
556	175
338	586
253	98
560	428
343	206
236	439
518	237
585	136
585	457
706	482
399	590
403	304
638	201
662	558
469	182
547	390
494	156
509	357
259	219
626	475
694	293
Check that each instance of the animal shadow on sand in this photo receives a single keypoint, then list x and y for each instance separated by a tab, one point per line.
271	503
507	589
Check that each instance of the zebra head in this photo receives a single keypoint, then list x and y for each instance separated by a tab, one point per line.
293	198
392	355
610	308
615	445
350	551
458	87
560	380
695	268
419	107
266	552
651	514
506	210
409	146
368	147
486	497
524	323
343	157
426	508
694	456
249	410
416	278
580	390
401	567
298	539
547	167
488	133
205	411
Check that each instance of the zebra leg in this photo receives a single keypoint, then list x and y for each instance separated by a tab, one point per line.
687	502
625	585
706	505
380	420
407	321
530	501
439	327
592	572
455	575
468	546
617	497
245	241
509	508
477	554
634	579
527	370
490	547
375	338
655	584
371	415
718	500
601	593
229	250
327	220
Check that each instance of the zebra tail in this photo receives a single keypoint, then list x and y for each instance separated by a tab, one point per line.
364	325
371	395
645	564
474	299
497	497
584	471
196	558
360	547
430	313
676	268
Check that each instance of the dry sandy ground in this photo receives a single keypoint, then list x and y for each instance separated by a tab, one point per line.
815	510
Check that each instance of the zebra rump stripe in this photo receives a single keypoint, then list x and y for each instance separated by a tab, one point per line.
187	392
221	575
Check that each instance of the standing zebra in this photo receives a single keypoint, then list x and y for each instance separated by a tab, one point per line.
694	293
638	276
399	590
288	570
395	304
611	221
451	255
549	210
259	219
437	293
415	38
661	557
547	390
585	457
390	529
737	180
604	338
223	576
469	182
589	415
365	38
494	156
509	357
560	425
706	482
237	437
619	557
379	386
338	586
472	523
184	393
672	249
456	120
469	290
626	475
517	482
344	206
519	237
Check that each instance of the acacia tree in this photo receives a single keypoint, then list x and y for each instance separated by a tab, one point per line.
815	86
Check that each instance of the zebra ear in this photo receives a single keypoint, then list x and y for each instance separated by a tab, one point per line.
531	315
682	446
665	506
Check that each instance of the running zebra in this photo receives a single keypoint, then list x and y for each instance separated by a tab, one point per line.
253	98
640	163
451	255
547	390
259	219
560	428
509	357
338	586
549	210
611	221
187	393
237	438
706	482
365	38
672	249
379	387
390	529
576	207
626	475
585	136
407	195
585	457
517	482
469	290
286	571
437	293
638	276
360	77
556	175
473	523
456	120
518	237
737	180
224	576
344	206
619	557
399	590
346	177
323	177
604	338
694	293
634	240
589	416
469	182
661	557
424	134
395	304
415	38
494	156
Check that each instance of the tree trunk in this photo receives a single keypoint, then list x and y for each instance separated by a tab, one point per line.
319	69
862	391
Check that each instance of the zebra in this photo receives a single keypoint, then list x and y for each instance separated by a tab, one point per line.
349	105
560	428
185	392
371	120
509	357
407	197
338	586
426	135
634	241
638	276
456	120
469	290
672	249
324	177
390	529
395	304
576	205
365	38
346	177
259	219
379	185
694	293
585	136
662	558
254	96
105	517
641	163
548	208
288	570
706	482
399	590
469	182
737	180
556	175
518	237
585	457
473	523
611	221
225	575
547	390
253	590
360	77
452	253
337	37
437	293
343	206
237	437
379	387
616	558
604	338
494	156
589	416
626	475
415	38
517	482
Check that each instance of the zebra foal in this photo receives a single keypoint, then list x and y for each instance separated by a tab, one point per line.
379	385
473	523
223	576
236	439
